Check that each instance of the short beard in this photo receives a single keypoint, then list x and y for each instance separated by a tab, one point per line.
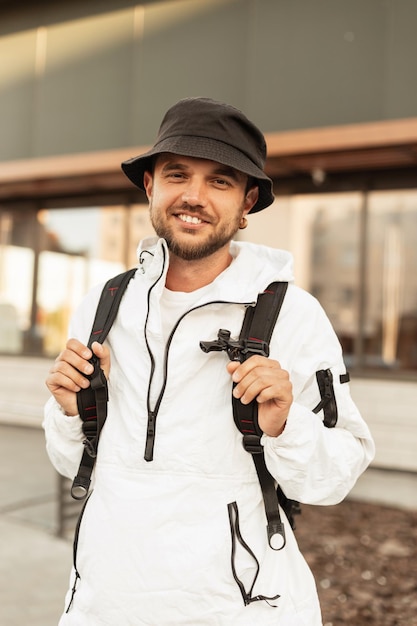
198	251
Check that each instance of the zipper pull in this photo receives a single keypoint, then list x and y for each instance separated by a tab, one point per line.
150	436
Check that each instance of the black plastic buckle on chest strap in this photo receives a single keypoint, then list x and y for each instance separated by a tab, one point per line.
239	350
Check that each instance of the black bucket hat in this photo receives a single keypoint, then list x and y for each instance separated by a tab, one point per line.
206	129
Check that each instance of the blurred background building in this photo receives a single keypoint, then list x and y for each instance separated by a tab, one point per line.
332	83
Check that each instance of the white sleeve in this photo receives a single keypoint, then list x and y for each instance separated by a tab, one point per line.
312	463
64	438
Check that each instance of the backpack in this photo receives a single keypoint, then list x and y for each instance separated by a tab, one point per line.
258	325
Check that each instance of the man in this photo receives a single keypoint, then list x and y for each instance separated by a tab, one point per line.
174	531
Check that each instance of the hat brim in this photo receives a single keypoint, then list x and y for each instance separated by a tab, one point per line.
202	148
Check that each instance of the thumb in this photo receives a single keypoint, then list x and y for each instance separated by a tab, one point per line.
232	366
102	352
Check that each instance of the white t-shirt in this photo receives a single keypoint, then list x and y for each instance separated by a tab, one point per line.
174	304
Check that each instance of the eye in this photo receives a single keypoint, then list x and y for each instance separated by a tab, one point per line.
175	176
222	182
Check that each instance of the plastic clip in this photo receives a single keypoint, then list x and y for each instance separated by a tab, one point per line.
223	342
252	444
255	346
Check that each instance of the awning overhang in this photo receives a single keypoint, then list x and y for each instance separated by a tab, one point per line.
319	152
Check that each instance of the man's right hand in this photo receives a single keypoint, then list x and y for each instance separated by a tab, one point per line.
67	375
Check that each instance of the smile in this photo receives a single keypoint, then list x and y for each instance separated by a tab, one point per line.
190	219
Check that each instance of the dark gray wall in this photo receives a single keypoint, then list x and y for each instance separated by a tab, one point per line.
78	76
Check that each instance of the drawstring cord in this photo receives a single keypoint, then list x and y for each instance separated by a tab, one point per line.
247	596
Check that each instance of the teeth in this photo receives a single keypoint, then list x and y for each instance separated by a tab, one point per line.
190	219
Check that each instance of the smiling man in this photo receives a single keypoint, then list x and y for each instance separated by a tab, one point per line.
173	533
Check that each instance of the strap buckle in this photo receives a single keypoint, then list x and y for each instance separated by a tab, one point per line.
252	444
90	448
251	347
224	343
236	350
98	378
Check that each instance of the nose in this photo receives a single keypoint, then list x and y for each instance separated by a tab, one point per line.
194	193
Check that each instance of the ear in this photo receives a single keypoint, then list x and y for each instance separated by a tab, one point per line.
251	199
148	183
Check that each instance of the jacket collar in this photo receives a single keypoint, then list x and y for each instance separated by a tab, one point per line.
253	267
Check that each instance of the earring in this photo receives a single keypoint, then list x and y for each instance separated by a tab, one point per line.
243	223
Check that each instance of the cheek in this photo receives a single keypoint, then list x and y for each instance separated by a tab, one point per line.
235	214
164	197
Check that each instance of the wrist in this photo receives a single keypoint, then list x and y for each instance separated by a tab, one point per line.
276	432
68	413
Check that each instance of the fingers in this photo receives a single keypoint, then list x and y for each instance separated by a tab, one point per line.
260	378
102	352
264	379
70	365
68	375
64	375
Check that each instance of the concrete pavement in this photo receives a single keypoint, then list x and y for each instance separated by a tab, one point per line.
22	389
34	563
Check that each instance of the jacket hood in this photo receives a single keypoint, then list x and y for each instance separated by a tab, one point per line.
254	266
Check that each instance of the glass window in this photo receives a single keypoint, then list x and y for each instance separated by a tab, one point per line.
16	279
75	255
50	258
329	263
357	253
81	248
391	280
359	258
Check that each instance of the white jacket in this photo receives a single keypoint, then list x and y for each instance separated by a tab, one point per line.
155	540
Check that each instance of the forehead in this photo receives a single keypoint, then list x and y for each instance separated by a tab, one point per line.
168	161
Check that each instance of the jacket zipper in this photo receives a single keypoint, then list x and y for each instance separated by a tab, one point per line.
153	413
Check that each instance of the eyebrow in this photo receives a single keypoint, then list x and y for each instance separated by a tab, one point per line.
224	170
220	170
171	165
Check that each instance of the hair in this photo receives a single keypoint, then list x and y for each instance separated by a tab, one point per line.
251	182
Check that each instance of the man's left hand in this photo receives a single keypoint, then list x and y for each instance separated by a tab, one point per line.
264	379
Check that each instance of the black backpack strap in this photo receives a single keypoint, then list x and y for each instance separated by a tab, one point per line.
255	335
256	332
92	402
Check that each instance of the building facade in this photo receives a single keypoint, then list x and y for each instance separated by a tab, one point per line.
330	82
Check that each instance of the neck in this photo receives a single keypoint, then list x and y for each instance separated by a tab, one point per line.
191	275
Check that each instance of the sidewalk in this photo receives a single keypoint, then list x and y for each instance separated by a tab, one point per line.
22	389
34	563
